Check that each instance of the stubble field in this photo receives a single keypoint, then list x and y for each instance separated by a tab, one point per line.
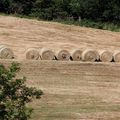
72	90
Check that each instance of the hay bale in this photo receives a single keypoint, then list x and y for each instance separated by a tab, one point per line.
76	55
32	54
90	55
116	56
63	55
47	54
105	56
1	46
6	53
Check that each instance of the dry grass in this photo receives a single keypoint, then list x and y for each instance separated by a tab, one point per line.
73	90
116	56
76	54
32	54
47	54
24	33
90	55
106	56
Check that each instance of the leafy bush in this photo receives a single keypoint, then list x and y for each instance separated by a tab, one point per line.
102	14
14	95
94	24
98	10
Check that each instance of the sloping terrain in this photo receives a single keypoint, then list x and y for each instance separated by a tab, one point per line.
72	90
21	34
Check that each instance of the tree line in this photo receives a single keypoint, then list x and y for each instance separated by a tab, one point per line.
97	10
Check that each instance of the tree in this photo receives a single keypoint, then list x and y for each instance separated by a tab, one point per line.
14	95
43	9
96	10
59	12
75	9
4	6
21	6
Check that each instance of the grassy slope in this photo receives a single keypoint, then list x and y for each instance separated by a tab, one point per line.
85	23
98	25
20	34
73	90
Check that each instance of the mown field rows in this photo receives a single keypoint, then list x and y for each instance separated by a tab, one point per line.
74	90
21	34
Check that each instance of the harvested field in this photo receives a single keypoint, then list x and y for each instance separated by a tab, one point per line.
21	34
72	90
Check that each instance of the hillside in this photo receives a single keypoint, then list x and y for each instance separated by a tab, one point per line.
72	90
20	34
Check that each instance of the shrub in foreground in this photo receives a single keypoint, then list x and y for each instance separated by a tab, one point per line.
14	95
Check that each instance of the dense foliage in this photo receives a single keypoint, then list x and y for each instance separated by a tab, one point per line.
97	10
14	95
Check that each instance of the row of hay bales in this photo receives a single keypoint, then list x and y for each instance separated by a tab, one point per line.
88	55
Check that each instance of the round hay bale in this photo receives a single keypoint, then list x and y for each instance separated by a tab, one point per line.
63	55
6	53
90	55
32	54
105	56
47	54
116	56
76	55
1	46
